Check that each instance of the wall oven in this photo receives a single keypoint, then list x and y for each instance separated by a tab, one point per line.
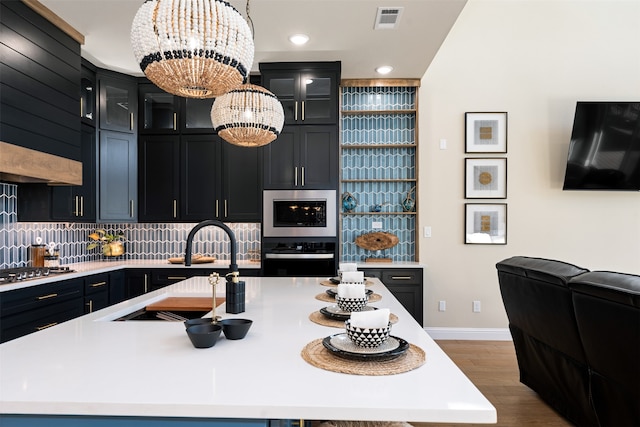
299	233
299	213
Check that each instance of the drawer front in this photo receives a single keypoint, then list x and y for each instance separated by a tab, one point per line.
402	277
20	300
96	283
40	318
165	276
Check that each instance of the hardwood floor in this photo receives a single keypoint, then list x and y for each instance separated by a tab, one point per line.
492	367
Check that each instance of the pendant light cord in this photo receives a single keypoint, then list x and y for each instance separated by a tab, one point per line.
253	32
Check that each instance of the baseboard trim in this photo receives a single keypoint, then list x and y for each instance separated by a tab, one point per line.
479	334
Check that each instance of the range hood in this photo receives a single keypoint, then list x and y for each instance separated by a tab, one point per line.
24	165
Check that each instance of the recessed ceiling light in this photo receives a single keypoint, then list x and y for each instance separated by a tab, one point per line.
384	69
299	39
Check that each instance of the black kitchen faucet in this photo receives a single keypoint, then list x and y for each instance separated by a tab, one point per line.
235	291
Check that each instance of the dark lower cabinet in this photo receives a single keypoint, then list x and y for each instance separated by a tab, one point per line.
162	277
406	285
137	282
117	286
33	309
96	292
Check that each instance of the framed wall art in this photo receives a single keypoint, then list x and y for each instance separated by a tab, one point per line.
486	132
485	178
485	224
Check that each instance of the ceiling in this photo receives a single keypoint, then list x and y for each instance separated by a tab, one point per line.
339	30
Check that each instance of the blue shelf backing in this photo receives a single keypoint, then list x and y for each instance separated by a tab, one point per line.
388	128
378	98
378	165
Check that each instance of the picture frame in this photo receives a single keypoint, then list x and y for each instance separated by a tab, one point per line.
485	178
486	132
485	224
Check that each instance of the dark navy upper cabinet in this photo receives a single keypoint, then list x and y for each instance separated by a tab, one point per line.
305	154
308	91
118	102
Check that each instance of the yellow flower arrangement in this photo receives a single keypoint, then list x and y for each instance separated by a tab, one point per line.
110	244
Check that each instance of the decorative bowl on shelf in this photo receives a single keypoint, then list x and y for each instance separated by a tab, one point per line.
349	202
351	304
204	335
367	337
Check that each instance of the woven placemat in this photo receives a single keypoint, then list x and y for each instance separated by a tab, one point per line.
316	355
328	298
367	282
321	319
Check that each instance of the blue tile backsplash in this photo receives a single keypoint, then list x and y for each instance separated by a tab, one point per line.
143	241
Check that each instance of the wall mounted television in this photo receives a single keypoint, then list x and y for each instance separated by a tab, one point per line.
604	153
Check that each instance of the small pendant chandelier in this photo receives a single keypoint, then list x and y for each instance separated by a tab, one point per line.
249	116
192	48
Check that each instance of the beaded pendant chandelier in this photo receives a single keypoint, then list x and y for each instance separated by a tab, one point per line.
249	116
192	48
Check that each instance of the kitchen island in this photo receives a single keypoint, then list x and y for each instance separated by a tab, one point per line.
93	369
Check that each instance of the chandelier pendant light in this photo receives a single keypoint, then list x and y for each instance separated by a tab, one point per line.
249	116
192	48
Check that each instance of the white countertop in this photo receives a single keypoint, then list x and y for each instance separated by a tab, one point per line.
93	366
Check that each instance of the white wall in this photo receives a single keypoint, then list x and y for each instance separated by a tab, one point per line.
533	59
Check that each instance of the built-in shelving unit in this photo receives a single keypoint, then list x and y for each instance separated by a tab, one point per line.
378	154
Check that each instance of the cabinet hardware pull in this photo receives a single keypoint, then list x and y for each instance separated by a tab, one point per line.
90	304
216	208
146	283
303	111
302	175
175	208
225	208
81	107
401	277
295	111
176	278
98	284
47	296
130	121
175	121
81	206
39	328
75	213
131	208
295	178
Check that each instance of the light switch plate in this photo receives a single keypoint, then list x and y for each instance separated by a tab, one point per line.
376	225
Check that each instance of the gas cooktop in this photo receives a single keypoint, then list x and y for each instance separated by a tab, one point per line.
10	275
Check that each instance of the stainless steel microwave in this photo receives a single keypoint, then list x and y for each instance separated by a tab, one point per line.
299	213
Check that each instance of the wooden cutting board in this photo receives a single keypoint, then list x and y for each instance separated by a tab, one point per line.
185	304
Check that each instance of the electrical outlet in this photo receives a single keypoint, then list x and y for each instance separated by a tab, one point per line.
376	225
443	144
427	231
476	306
442	306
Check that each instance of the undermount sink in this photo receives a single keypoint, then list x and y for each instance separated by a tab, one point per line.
174	315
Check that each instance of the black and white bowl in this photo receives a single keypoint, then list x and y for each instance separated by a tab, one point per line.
351	304
367	337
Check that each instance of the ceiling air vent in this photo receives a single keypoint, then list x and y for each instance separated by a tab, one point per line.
387	18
